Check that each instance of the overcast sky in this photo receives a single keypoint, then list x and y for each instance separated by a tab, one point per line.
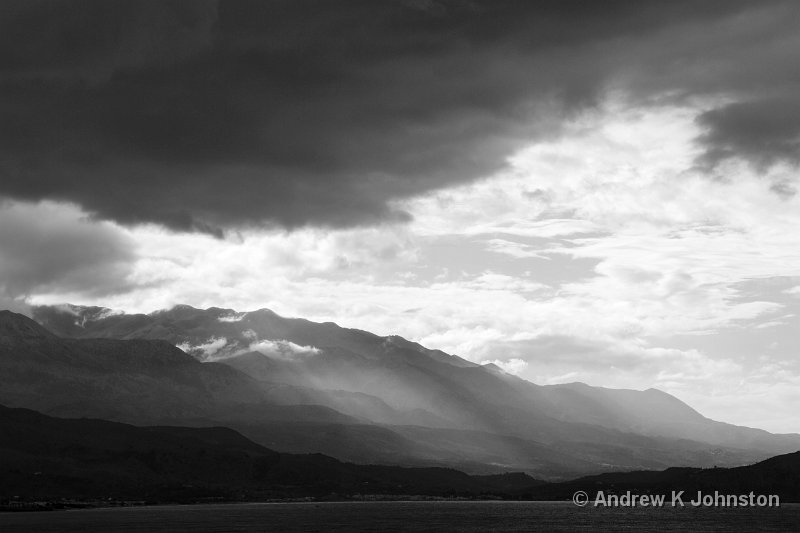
602	192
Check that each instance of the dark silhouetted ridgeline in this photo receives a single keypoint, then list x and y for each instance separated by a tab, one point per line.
778	475
52	459
46	458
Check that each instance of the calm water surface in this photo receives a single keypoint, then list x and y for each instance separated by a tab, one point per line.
387	517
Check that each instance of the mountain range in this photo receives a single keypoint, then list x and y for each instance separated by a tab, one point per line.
297	386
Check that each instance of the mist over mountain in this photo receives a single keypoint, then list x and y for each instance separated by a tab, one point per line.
299	386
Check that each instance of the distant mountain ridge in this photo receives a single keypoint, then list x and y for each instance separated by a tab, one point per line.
298	386
624	410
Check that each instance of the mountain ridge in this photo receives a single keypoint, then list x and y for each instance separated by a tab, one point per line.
586	400
347	393
589	398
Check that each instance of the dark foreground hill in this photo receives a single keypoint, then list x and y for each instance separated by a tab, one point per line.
42	457
46	458
778	476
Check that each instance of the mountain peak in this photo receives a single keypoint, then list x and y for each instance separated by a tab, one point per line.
17	326
178	309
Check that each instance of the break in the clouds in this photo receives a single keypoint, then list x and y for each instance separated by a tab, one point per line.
206	116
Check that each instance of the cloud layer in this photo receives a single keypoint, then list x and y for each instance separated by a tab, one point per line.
201	116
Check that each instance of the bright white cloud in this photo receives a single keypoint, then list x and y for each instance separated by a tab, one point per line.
793	291
282	349
207	350
513	366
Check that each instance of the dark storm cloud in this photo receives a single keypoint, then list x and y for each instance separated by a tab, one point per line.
47	247
202	116
764	131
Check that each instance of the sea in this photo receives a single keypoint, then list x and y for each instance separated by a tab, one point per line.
386	517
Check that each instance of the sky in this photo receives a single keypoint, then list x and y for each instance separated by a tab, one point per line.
596	192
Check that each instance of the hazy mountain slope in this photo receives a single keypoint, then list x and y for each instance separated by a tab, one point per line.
300	353
404	376
353	356
464	415
147	381
656	413
650	412
429	387
132	380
